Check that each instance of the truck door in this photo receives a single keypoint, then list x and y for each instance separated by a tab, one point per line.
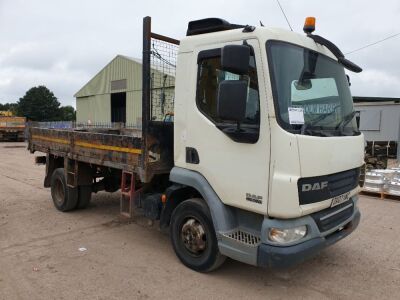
237	169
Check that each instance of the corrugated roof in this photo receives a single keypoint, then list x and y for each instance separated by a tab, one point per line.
95	77
159	68
138	61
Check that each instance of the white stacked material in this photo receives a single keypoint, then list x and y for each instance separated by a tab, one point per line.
383	180
396	173
393	187
374	182
388	175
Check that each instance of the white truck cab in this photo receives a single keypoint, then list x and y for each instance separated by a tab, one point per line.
271	146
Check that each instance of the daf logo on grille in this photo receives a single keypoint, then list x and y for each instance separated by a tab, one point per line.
314	187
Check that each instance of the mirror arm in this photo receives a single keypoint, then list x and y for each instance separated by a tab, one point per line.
336	51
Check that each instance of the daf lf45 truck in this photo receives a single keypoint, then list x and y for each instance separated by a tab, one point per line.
247	146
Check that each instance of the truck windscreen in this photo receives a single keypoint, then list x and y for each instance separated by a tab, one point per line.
311	91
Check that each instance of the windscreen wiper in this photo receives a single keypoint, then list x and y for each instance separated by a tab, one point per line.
345	121
317	120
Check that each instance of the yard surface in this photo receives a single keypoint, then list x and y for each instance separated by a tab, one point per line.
40	257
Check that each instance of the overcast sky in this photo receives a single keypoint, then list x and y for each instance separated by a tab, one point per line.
63	44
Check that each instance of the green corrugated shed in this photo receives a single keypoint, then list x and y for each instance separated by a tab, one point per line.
122	74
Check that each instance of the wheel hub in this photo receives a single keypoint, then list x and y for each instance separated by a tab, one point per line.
193	236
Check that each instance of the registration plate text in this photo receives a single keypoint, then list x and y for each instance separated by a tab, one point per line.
340	199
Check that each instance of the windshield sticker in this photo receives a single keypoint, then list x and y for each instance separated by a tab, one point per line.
296	115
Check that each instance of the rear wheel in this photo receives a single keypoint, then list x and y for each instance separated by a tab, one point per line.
64	198
193	236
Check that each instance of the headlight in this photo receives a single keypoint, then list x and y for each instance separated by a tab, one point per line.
284	236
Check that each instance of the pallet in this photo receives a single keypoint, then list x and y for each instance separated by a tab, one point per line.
381	195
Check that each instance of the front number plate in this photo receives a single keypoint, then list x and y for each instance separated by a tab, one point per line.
340	199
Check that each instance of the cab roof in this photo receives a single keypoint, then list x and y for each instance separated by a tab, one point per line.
218	37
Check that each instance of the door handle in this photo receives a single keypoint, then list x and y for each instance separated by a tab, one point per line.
192	156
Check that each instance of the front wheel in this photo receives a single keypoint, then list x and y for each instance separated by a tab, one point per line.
193	236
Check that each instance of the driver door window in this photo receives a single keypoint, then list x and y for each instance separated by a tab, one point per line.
210	76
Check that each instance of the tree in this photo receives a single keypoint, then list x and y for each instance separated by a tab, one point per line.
9	107
39	104
67	113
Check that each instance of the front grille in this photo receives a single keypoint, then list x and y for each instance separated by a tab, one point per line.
331	217
343	182
319	188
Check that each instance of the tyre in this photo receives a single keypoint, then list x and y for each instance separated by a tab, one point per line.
193	236
84	196
64	197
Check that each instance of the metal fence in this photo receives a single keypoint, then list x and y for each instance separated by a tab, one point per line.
163	55
129	129
82	125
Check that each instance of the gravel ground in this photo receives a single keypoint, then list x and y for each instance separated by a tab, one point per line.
40	257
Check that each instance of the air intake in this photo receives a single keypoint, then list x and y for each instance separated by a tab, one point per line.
244	237
210	25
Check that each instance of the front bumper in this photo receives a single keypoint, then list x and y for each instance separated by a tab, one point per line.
11	135
283	257
249	242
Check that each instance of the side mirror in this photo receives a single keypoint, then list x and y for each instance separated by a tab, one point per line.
235	59
232	99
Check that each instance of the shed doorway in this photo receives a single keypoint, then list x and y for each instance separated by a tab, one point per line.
118	108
